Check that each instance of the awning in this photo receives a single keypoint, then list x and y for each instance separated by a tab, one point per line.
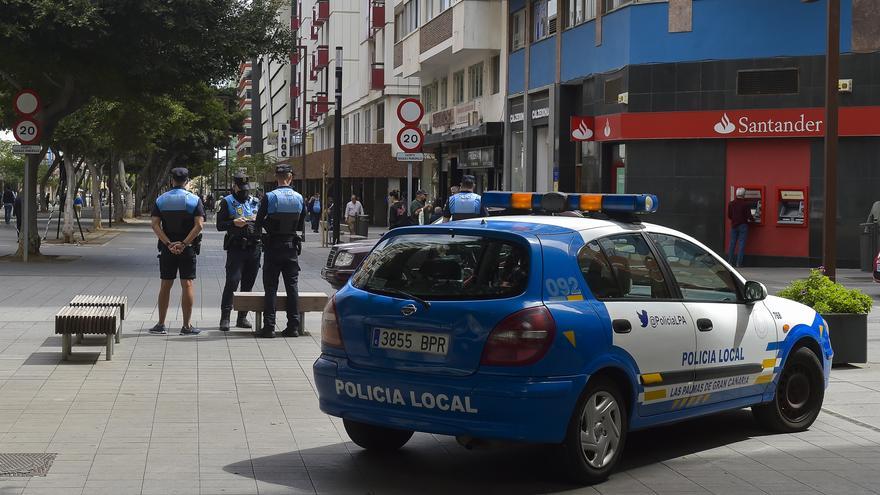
484	130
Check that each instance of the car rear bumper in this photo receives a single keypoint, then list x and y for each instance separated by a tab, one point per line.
336	278
479	405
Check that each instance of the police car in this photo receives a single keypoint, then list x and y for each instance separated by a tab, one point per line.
559	326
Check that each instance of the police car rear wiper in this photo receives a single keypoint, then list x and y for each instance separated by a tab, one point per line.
407	295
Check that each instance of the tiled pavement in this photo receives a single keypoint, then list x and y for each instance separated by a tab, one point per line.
225	413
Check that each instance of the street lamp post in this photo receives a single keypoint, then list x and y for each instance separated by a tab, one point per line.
337	149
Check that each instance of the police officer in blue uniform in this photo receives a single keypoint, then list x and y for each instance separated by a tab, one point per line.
177	219
466	203
281	214
237	216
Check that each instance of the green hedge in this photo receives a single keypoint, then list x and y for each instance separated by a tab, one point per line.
820	293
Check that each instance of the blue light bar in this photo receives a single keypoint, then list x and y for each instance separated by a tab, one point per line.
610	203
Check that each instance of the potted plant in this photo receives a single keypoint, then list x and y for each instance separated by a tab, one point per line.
845	311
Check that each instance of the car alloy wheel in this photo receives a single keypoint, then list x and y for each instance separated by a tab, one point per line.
600	429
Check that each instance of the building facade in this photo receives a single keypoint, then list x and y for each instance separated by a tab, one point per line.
455	49
691	100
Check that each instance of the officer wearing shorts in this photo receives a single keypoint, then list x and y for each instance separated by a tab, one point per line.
281	214
177	219
237	216
465	203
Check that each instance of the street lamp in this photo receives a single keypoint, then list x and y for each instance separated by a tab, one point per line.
832	74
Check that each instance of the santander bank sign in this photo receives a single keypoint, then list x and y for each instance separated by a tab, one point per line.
744	125
732	124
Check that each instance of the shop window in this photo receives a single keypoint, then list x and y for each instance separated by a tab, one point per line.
588	172
580	11
458	87
767	82
475	78
517	168
543	19
518	30
496	74
618	168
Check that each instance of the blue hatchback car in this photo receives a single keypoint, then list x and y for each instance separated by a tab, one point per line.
565	321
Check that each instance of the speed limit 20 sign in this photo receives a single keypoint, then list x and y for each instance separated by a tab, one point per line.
410	112
27	129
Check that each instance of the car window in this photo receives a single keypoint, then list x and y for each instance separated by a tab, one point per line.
446	267
631	265
699	274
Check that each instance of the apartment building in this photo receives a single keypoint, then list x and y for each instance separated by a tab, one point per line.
244	87
691	100
454	47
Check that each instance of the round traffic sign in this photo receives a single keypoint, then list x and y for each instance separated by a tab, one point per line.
410	139
26	131
410	111
26	102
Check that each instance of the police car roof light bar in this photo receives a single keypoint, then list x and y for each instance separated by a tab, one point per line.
554	202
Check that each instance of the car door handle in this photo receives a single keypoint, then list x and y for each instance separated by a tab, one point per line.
621	326
704	325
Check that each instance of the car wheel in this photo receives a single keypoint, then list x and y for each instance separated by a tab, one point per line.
596	433
379	438
800	391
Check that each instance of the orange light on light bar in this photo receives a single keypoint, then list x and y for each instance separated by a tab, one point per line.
591	202
521	201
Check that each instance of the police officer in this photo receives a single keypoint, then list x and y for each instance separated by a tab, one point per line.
177	219
465	203
236	216
282	212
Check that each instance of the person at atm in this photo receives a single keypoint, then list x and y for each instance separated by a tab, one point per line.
739	211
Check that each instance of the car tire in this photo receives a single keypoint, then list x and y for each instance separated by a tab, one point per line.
596	433
800	391
377	438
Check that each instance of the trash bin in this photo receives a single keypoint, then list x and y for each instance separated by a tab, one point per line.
869	245
362	225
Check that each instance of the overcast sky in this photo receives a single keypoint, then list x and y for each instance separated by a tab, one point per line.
6	135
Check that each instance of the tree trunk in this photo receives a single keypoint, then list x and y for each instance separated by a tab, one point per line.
125	193
43	201
67	229
157	180
33	242
95	178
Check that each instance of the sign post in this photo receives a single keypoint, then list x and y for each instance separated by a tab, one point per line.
26	132
410	139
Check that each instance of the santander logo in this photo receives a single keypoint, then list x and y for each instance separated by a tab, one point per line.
607	129
725	126
582	132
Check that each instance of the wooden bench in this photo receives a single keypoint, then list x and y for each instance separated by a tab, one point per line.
87	300
253	301
93	320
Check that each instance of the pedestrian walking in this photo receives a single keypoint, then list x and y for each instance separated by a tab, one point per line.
739	211
8	202
78	204
281	214
465	203
397	214
16	210
437	215
177	219
237	216
417	207
315	211
352	210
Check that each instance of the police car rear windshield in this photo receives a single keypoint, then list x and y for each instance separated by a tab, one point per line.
445	267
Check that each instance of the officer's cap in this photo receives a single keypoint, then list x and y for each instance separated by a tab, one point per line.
283	169
468	179
242	181
180	173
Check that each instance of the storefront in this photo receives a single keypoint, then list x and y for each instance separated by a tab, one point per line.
694	162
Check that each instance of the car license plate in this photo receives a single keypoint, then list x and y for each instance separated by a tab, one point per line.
404	340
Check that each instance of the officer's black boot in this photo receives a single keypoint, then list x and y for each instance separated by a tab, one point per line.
224	320
242	321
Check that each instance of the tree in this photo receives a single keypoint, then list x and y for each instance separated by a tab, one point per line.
74	50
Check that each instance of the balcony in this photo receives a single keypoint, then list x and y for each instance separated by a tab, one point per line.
377	16
321	105
295	22
294	91
377	76
294	57
295	124
321	12
323	57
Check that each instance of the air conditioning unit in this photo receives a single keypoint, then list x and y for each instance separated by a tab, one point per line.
844	85
623	98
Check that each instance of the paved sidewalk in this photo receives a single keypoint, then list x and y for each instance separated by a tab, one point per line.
226	413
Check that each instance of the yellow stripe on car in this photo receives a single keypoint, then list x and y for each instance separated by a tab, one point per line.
655	394
763	379
649	378
769	363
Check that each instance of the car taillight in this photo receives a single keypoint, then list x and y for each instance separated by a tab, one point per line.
330	332
520	339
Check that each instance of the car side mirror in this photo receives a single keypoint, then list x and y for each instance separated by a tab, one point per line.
754	292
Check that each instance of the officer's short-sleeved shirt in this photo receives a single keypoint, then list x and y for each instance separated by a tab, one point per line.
198	212
178	200
464	205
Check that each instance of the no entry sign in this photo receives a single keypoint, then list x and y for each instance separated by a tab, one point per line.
26	102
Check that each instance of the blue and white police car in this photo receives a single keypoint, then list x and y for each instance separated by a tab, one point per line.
551	325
